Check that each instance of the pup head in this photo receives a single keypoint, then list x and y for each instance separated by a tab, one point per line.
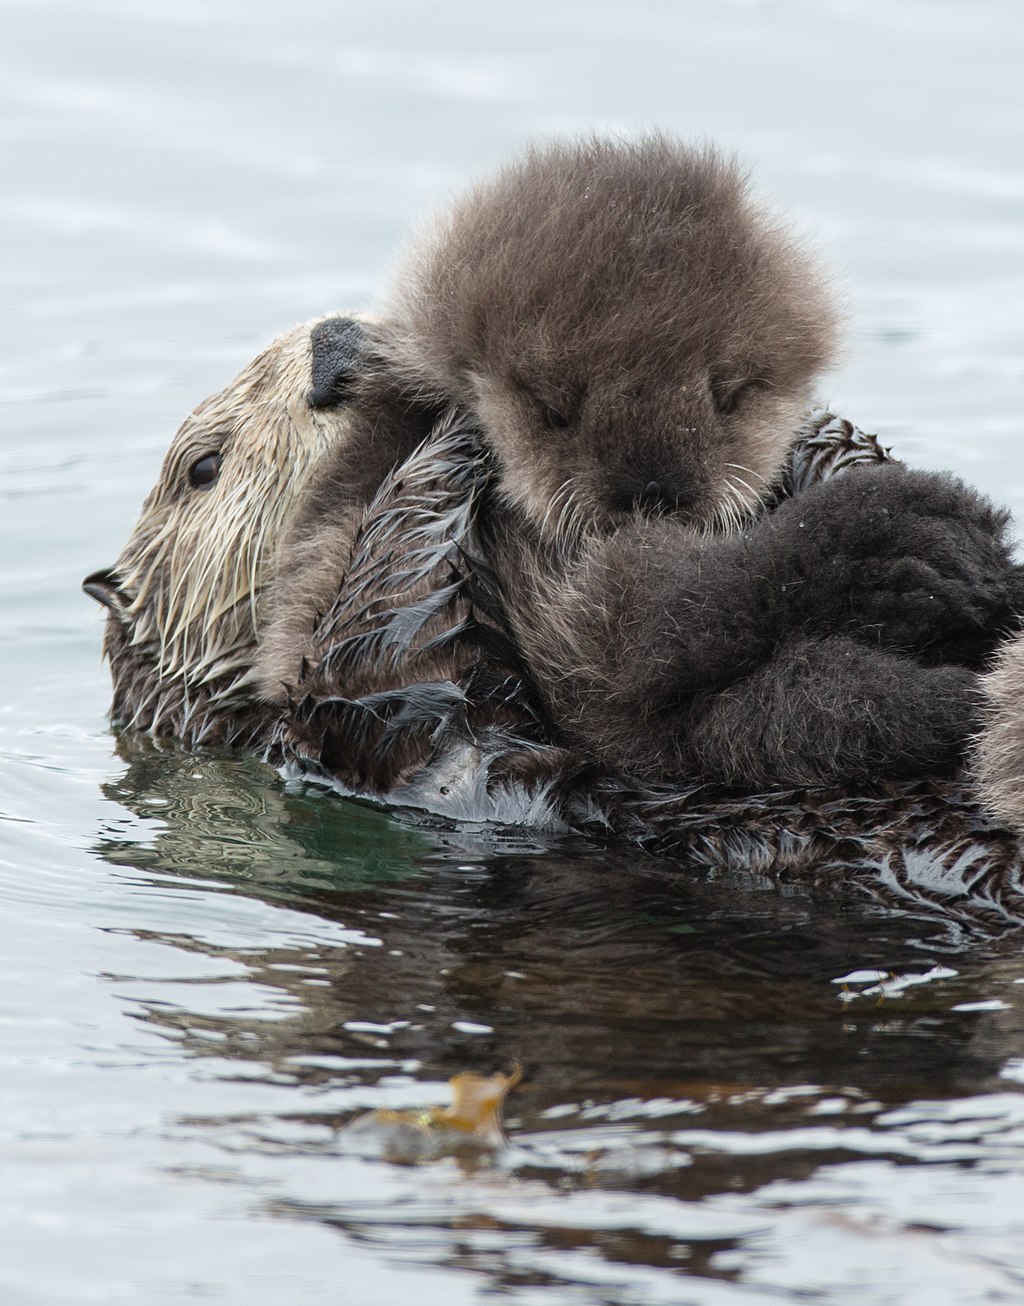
632	331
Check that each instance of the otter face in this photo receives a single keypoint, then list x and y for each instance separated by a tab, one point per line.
585	459
631	331
185	595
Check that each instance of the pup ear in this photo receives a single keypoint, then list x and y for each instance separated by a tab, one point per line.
338	348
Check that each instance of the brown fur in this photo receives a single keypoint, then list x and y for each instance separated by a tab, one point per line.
620	318
998	754
186	594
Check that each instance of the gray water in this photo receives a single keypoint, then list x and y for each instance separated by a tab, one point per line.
733	1092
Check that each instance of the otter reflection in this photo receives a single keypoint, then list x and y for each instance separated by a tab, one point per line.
603	973
681	1035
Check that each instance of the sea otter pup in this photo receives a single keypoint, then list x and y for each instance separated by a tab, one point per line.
627	329
634	341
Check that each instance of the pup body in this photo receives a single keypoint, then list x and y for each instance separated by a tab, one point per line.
635	342
835	640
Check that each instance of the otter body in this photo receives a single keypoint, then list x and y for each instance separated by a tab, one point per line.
634	342
418	692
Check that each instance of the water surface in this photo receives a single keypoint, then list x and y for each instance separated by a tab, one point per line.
733	1091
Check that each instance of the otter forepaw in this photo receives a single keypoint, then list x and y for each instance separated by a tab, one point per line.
913	561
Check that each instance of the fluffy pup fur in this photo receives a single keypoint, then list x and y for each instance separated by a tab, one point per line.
634	341
836	639
630	331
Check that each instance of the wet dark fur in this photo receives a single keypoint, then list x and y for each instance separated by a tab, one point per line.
418	692
635	341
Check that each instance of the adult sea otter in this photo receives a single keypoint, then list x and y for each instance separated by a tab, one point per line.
414	688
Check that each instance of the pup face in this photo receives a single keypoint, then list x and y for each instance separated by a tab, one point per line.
590	457
184	596
633	333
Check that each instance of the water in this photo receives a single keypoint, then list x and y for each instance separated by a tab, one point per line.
733	1092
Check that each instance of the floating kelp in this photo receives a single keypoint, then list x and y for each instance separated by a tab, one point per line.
470	1125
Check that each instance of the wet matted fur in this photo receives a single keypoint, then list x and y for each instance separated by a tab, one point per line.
185	596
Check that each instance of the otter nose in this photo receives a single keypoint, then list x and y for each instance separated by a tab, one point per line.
103	587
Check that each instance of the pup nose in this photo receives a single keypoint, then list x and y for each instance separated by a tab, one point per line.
650	496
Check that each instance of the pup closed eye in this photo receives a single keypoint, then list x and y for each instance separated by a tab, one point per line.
728	395
554	418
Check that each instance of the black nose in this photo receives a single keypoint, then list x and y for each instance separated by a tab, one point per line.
103	587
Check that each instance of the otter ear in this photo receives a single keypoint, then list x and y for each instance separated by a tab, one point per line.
338	347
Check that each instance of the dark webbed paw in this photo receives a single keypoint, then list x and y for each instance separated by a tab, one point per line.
912	561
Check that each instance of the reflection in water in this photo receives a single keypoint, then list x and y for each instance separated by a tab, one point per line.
733	1051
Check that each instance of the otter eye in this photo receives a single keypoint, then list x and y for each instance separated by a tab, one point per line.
728	397
553	419
203	472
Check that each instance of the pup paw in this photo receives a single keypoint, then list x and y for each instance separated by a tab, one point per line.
916	562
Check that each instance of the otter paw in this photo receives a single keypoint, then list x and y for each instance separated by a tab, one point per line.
913	561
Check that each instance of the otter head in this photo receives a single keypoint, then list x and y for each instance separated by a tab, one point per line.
631	331
185	595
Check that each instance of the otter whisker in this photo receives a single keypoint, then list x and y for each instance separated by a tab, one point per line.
734	482
738	467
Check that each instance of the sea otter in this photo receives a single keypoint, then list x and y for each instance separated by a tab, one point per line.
627	329
420	695
634	341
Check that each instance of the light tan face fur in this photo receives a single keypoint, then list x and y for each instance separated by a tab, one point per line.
190	581
997	759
